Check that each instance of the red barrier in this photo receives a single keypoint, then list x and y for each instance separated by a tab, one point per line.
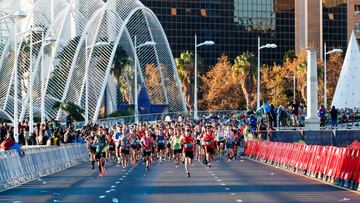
328	162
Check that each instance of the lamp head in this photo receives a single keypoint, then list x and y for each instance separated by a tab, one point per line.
19	15
334	51
271	46
148	43
38	30
101	44
209	43
51	39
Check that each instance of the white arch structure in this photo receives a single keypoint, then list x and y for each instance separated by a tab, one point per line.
66	62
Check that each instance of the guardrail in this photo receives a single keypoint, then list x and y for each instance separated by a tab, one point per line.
38	162
154	117
336	165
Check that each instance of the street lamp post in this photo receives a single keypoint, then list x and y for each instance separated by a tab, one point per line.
19	15
148	43
49	40
206	43
31	110
258	76
325	70
87	75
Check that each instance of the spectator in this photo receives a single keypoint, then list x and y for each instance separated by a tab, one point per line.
253	123
267	109
10	144
67	135
21	137
322	115
272	121
334	116
3	132
77	137
262	131
32	139
295	112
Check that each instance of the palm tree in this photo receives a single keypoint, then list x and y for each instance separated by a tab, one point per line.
185	67
122	71
73	110
244	70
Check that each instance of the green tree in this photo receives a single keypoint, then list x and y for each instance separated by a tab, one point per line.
123	71
245	71
73	110
185	69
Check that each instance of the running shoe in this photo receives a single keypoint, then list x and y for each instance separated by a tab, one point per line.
188	175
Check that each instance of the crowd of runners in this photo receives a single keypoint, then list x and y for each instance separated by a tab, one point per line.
178	142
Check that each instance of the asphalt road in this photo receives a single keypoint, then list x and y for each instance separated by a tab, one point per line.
236	181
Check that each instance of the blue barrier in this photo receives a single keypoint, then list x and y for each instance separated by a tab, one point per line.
340	138
323	137
346	137
290	136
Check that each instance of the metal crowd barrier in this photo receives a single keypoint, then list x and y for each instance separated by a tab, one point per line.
336	165
38	162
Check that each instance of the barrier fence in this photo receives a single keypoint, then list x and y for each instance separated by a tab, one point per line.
336	165
338	138
38	162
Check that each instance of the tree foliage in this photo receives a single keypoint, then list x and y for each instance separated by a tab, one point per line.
73	110
185	69
245	71
153	83
220	89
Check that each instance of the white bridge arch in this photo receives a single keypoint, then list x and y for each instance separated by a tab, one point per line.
76	23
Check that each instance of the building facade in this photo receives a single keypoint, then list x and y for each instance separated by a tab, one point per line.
353	7
234	25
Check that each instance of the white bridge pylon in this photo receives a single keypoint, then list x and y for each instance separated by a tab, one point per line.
65	63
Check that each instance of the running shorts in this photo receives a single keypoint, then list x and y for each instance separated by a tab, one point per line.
177	151
189	154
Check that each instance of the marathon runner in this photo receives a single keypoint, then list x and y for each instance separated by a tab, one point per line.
100	143
91	147
230	139
160	140
209	145
176	145
147	144
220	140
188	143
125	143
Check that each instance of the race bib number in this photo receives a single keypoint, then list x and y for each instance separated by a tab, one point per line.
188	145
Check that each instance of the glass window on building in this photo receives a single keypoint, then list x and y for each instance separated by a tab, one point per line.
173	11
203	12
357	28
357	10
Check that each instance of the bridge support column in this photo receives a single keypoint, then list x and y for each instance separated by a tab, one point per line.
312	121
